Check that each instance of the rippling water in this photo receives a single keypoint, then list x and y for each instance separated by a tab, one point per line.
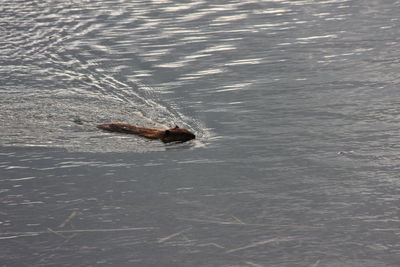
296	109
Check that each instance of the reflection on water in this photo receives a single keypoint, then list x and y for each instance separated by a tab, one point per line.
294	103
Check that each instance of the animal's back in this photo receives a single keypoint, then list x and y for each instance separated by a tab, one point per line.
130	129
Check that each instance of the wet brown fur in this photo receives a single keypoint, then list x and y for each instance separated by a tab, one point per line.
171	135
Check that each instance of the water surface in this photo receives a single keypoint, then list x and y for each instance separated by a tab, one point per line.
295	105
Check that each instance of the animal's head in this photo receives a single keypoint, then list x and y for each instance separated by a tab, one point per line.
177	135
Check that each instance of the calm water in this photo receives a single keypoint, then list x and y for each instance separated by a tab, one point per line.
296	105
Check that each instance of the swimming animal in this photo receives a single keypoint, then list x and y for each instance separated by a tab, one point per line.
175	134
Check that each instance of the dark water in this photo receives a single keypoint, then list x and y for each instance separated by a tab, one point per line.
295	104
